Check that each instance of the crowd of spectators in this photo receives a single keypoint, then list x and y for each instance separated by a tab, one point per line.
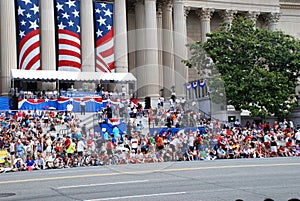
33	142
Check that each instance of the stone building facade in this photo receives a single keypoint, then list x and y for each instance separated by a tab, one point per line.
150	36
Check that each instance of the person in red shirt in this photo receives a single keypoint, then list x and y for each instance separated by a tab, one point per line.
67	142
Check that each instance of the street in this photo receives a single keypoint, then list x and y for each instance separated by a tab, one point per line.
246	179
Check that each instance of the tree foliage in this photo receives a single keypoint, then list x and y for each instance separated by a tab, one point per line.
259	68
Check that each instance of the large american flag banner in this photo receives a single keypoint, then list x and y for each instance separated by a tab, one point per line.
29	34
68	23
104	31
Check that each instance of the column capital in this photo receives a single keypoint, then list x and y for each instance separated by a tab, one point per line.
186	11
205	13
273	17
228	15
159	9
131	7
167	5
253	15
137	2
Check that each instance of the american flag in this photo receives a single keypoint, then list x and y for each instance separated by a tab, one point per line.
68	23
28	37
104	37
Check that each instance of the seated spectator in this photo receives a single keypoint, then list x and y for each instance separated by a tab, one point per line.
7	166
58	162
40	161
221	153
49	161
202	154
19	164
159	156
212	154
31	164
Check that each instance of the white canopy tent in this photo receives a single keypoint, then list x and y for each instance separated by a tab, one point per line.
51	76
70	76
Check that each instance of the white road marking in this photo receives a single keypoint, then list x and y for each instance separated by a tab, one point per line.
138	196
103	184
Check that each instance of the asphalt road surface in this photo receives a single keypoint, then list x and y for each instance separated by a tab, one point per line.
245	179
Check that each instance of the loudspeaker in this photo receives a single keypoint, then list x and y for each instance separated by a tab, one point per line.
14	103
147	102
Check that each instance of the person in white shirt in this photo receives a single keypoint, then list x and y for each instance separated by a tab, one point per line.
69	108
174	146
82	107
134	144
297	137
80	150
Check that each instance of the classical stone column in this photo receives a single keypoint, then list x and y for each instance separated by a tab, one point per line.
253	15
47	30
48	53
87	36
273	19
120	20
151	58
205	15
8	43
168	57
228	16
180	49
159	43
140	71
131	38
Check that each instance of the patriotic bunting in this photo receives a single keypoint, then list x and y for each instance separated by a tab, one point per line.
195	84
202	83
188	86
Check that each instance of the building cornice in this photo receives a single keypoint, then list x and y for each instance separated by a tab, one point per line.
247	5
290	1
289	5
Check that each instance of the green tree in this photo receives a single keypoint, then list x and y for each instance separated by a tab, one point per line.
259	68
